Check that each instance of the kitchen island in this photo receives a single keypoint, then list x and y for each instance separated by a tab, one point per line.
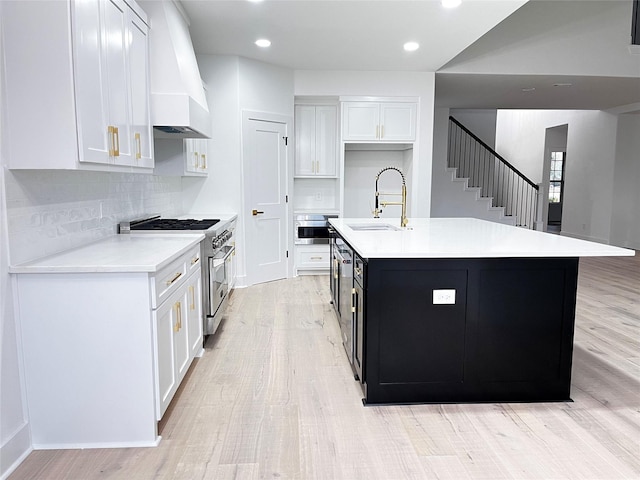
460	310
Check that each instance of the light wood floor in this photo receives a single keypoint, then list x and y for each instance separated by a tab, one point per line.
273	397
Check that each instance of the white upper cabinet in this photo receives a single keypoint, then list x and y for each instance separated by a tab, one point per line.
316	140
88	105
182	157
379	121
141	127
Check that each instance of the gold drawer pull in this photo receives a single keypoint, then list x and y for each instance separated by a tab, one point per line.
316	258
195	260
176	277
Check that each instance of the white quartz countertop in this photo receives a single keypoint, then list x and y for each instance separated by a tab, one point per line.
462	238
117	253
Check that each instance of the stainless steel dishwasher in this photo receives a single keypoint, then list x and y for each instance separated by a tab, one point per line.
345	260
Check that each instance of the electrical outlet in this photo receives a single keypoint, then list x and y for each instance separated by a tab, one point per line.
444	297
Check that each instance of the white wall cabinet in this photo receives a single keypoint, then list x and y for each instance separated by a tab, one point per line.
379	122
182	157
196	157
88	104
316	129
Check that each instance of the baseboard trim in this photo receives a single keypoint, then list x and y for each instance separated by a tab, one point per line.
14	451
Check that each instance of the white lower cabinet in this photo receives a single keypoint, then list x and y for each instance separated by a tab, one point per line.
178	336
312	259
105	352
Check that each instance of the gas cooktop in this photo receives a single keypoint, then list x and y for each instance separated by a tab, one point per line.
157	224
175	224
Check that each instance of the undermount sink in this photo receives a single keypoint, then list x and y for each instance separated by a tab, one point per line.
372	227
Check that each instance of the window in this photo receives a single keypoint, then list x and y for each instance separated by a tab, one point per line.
556	177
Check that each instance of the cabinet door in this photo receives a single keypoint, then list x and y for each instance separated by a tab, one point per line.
165	324
361	121
326	140
91	80
115	37
194	313
305	126
358	331
195	157
203	166
141	128
398	121
181	337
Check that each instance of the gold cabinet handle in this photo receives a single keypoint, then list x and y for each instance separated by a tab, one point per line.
377	131
176	277
179	316
192	290
116	141
176	327
315	258
138	146
204	161
195	260
112	150
335	269
197	161
255	212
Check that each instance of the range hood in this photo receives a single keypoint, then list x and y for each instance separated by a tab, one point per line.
178	102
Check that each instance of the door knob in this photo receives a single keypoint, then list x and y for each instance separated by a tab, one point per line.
255	212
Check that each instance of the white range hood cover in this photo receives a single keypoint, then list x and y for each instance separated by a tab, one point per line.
178	102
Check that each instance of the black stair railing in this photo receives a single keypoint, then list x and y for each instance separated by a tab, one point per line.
492	174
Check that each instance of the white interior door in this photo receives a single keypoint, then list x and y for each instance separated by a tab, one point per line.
265	173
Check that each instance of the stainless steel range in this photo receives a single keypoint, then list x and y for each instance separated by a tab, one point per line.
217	249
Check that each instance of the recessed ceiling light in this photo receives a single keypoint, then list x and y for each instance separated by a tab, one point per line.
263	42
451	3
563	84
529	89
411	46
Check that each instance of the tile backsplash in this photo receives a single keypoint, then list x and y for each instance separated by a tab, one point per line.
52	211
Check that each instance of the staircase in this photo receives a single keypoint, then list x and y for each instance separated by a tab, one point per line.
501	192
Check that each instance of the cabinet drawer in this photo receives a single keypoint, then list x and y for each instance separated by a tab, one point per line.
313	258
167	280
194	259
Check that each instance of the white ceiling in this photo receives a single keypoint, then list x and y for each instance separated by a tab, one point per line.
483	52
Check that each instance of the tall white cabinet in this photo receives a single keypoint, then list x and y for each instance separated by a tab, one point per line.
316	129
77	75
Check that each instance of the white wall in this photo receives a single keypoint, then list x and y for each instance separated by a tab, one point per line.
590	165
625	218
234	84
360	170
481	122
386	84
15	437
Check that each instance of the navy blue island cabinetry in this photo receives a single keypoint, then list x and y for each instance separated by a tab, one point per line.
433	325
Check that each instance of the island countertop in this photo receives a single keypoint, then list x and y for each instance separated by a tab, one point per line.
461	238
116	253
